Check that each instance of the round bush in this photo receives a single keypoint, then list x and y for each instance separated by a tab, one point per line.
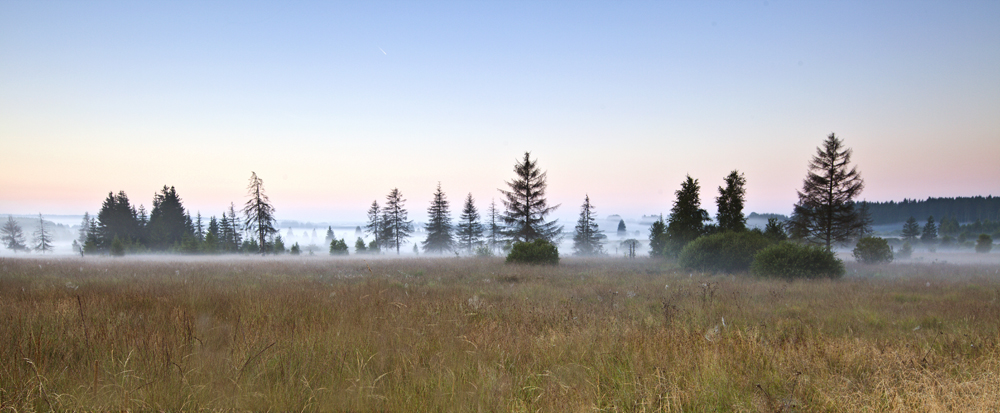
984	243
790	260
538	251
872	250
723	252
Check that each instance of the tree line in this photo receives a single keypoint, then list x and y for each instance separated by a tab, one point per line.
961	209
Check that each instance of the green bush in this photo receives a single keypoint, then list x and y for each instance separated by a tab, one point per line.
338	247
906	251
872	250
790	260
538	251
984	243
723	252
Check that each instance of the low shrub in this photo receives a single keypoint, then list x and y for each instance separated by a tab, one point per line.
791	260
723	252
872	250
905	252
984	243
538	251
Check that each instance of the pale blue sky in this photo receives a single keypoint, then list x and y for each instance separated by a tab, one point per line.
335	103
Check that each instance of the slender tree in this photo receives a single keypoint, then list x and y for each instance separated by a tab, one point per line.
470	231
658	238
199	229
235	229
439	229
526	206
330	236
622	231
82	237
687	219
911	230
494	229
825	213
43	240
374	226
258	213
12	235
397	226
588	238
730	203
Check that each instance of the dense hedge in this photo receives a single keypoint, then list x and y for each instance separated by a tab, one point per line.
723	252
538	251
872	250
791	260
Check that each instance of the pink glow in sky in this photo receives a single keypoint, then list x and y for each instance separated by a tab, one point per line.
334	104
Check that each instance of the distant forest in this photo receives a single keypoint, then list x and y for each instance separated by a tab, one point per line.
962	209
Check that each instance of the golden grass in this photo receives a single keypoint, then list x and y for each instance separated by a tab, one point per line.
478	335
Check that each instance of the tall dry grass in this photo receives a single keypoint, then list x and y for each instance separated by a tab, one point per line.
478	335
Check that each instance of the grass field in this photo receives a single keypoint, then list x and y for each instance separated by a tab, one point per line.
478	335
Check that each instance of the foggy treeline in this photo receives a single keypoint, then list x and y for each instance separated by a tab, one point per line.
961	209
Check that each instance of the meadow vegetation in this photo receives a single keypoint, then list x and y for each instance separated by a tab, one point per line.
475	334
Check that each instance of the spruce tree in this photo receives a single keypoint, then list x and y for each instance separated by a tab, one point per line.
930	232
439	230
730	203
622	231
168	222
395	223
235	240
82	237
117	218
12	235
359	246
911	230
43	240
687	219
330	236
825	213
658	238
470	231
258	213
494	228
588	238
526	206
373	227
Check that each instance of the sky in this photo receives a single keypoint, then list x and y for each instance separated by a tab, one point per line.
334	103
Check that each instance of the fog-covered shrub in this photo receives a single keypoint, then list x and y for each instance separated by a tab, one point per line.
984	243
872	250
723	252
791	260
905	252
538	251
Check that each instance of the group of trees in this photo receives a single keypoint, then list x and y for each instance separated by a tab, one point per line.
13	238
948	229
120	227
963	209
523	220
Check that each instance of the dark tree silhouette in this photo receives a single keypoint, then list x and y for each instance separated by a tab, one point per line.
687	219
588	238
658	238
439	231
117	219
168	223
374	225
258	212
394	220
911	230
730	203
526	205
622	231
930	232
494	228
825	213
470	231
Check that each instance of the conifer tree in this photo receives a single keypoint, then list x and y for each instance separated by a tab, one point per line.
168	222
470	231
117	218
43	239
930	232
911	230
588	238
258	212
526	206
394	220
374	226
687	219
730	203
622	231
235	230
329	235
658	238
199	229
494	228
12	235
359	246
439	230
82	238
825	213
